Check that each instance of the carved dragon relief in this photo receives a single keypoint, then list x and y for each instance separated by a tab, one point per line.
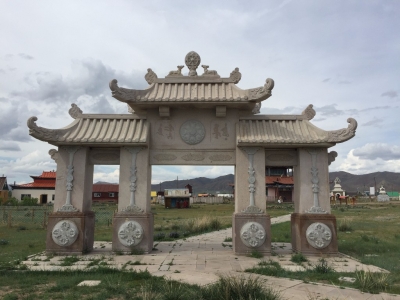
264	91
150	76
309	112
342	135
235	76
332	156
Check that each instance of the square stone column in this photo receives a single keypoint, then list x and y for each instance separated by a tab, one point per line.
313	226
133	223
71	226
251	227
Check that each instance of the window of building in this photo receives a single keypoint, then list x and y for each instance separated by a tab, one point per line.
97	194
25	195
111	194
53	197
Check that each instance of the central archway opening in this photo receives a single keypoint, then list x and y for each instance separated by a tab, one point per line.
190	200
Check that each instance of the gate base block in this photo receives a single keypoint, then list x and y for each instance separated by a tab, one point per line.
240	219
146	244
300	224
84	242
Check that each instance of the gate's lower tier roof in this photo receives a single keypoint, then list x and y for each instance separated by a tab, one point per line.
264	130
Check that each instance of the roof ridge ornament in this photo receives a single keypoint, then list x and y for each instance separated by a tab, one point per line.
150	76
192	61
309	112
176	73
208	72
75	111
235	76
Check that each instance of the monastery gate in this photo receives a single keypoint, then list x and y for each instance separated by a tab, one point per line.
192	120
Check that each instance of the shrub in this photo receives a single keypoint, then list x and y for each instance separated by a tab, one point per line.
298	258
159	236
239	288
28	201
174	235
372	282
345	225
4	242
255	254
323	267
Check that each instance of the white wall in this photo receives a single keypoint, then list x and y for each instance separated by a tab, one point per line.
34	194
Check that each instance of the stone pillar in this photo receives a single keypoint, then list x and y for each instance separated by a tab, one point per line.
70	227
313	227
251	227
133	224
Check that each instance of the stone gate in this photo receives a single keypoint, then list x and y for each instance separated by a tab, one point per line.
194	119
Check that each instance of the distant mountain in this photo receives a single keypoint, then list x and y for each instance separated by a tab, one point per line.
353	183
350	183
200	185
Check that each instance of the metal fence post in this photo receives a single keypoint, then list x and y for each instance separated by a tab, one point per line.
9	219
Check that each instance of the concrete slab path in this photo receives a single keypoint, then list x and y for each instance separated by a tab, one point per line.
201	259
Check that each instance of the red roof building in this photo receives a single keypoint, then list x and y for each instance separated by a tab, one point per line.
43	187
105	193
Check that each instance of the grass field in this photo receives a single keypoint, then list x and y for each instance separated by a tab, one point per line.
367	231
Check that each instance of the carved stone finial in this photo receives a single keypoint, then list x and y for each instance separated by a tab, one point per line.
192	61
331	157
235	76
75	111
150	76
53	154
114	85
309	112
177	72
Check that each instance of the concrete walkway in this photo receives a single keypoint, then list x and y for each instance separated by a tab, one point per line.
201	259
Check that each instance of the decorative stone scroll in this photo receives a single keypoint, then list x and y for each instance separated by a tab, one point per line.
319	235
40	132
193	157
64	233
132	208
309	112
332	156
54	154
75	111
256	109
259	92
192	132
252	208
220	157
342	135
315	209
68	207
165	157
130	233
252	234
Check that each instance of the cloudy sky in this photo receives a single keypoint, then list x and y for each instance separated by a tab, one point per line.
342	56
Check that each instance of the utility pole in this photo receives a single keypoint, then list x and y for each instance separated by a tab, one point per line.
375	185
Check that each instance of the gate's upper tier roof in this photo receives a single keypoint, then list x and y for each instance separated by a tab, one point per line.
178	89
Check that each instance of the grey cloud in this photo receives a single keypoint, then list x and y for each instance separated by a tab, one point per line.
90	77
329	110
378	150
326	80
390	94
344	82
25	56
9	146
2	71
373	122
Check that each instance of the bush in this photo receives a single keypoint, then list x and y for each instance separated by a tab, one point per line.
298	258
372	282
159	236
239	288
28	201
174	235
345	226
322	267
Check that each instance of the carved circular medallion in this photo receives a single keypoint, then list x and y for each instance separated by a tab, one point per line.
319	235
65	233
130	233
252	234
192	61
192	132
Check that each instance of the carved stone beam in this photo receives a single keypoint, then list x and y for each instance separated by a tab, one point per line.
132	207
342	135
252	208
68	207
315	209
